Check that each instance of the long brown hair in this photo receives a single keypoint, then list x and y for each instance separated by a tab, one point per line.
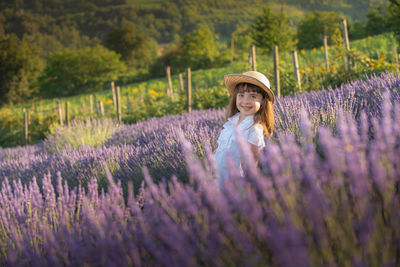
264	116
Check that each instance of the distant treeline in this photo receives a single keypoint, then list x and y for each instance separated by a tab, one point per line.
94	19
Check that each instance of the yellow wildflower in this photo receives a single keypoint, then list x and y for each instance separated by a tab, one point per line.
282	62
322	47
153	93
135	90
302	51
109	101
314	49
303	71
391	36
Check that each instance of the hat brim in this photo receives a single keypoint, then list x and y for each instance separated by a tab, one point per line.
232	80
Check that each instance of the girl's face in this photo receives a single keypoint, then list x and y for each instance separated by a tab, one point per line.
248	103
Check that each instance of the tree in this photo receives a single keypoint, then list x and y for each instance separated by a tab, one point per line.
75	72
20	66
242	41
199	49
272	29
377	20
315	25
136	48
394	17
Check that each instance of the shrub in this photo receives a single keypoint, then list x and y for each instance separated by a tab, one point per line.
69	72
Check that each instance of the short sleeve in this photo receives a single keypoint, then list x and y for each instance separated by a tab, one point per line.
256	136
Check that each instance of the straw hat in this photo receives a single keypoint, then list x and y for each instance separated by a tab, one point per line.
253	77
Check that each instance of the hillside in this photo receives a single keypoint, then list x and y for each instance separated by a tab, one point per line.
161	19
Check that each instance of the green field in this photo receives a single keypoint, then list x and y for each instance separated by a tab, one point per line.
142	100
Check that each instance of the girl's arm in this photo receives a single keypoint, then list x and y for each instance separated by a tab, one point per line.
256	151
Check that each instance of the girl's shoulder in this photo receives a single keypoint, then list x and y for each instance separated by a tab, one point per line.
258	128
256	135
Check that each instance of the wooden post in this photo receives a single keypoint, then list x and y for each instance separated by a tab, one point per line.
169	89
67	113
188	90
101	108
249	62
346	43
396	60
296	69
91	104
181	82
118	98
326	53
60	115
26	126
276	71
96	108
113	94
232	47
253	57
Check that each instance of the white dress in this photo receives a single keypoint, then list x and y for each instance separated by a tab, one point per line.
227	145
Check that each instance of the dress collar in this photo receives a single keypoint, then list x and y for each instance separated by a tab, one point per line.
249	120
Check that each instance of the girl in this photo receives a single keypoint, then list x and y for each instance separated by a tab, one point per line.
250	111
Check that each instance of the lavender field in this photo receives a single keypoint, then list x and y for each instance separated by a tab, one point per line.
326	191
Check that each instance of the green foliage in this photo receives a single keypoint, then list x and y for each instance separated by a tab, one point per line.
356	9
12	126
136	48
199	49
213	97
394	18
315	25
72	72
271	29
377	20
2	20
61	37
356	30
20	65
242	41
